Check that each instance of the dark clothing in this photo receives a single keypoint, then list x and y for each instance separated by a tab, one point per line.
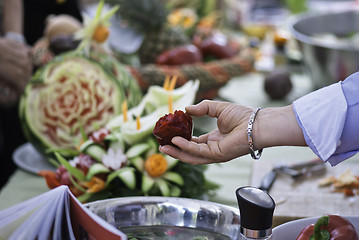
36	12
11	137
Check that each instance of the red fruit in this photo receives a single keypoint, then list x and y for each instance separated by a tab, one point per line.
180	55
219	46
171	125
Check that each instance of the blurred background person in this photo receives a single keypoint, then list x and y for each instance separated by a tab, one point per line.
37	11
22	24
15	71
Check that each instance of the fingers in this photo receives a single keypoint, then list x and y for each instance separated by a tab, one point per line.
194	152
207	107
201	139
184	156
16	66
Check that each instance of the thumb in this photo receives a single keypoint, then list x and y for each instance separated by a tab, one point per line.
207	108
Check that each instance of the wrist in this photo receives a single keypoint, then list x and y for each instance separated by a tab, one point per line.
16	37
252	148
277	127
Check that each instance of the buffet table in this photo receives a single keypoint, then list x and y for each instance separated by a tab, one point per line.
246	90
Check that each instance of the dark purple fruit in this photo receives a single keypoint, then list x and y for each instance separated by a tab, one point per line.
277	84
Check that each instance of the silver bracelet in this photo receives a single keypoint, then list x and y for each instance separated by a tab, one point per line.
250	137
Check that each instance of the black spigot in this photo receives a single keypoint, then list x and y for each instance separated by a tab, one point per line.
256	209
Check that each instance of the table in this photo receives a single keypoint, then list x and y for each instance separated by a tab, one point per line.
246	90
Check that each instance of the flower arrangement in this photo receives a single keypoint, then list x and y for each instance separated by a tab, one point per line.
113	153
122	158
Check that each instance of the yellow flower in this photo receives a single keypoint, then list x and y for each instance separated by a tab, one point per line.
94	185
156	165
156	173
96	30
209	22
183	17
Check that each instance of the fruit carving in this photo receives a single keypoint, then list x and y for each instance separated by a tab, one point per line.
174	124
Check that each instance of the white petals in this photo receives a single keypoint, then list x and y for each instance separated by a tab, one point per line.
114	159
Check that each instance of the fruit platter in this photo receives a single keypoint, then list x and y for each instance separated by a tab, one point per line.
86	114
182	38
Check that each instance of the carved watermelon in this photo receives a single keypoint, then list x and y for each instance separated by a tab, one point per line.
68	96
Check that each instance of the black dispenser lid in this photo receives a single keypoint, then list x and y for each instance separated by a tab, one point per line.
256	208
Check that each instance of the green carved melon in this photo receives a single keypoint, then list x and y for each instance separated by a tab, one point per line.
70	96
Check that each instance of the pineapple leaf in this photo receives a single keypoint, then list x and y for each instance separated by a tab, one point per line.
143	15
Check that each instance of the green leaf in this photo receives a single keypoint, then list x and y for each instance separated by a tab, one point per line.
150	152
138	162
86	144
126	174
54	162
137	150
175	191
96	169
194	179
319	233
163	186
152	142
96	151
171	161
84	197
116	141
77	173
78	186
83	133
147	183
63	151
296	6
173	177
128	177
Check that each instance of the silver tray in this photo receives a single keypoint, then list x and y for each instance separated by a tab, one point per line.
29	159
168	211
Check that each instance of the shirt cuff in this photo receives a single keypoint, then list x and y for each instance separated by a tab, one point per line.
321	115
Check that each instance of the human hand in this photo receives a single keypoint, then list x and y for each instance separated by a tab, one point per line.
15	70
276	126
226	142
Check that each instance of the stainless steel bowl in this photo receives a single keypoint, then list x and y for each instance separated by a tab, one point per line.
327	61
169	211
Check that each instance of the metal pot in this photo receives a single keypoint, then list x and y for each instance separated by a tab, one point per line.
169	211
327	61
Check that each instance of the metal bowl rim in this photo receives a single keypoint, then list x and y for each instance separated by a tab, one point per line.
293	20
159	199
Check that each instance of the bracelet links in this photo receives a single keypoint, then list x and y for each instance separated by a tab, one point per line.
250	137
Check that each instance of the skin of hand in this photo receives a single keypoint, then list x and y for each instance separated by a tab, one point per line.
15	69
272	127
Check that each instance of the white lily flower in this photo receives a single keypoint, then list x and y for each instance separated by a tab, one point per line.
114	159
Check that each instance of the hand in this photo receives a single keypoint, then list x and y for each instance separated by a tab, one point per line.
226	142
272	127
15	70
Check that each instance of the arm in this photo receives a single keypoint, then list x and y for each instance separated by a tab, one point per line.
329	118
12	16
15	61
326	120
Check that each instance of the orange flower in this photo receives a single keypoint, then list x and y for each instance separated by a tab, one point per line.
95	185
156	165
50	177
101	34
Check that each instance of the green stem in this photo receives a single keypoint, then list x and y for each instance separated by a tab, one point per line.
321	234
